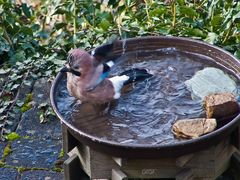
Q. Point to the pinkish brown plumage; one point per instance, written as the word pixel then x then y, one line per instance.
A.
pixel 87 81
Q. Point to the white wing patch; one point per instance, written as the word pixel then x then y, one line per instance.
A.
pixel 117 82
pixel 110 63
pixel 93 52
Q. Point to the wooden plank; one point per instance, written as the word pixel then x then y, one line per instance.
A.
pixel 204 173
pixel 235 138
pixel 101 165
pixel 96 165
pixel 150 163
pixel 181 161
pixel 201 160
pixel 204 164
pixel 118 175
pixel 160 172
pixel 223 159
pixel 69 141
pixel 83 154
pixel 119 161
pixel 72 169
pixel 185 174
pixel 223 144
pixel 235 161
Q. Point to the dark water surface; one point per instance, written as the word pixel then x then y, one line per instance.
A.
pixel 145 112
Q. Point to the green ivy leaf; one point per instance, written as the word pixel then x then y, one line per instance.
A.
pixel 15 86
pixel 60 11
pixel 237 54
pixel 26 10
pixel 18 56
pixel 60 25
pixel 12 136
pixel 216 20
pixel 105 24
pixel 27 30
pixel 188 11
pixel 4 71
pixel 197 33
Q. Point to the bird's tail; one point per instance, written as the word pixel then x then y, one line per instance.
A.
pixel 136 74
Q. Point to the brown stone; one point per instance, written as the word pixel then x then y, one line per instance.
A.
pixel 221 105
pixel 193 128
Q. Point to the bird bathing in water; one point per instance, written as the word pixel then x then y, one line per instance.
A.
pixel 88 77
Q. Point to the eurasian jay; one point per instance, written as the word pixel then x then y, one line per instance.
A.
pixel 87 77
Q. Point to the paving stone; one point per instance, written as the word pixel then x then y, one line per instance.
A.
pixel 23 91
pixel 30 126
pixel 14 121
pixel 34 153
pixel 41 91
pixel 41 175
pixel 3 79
pixel 26 89
pixel 2 146
pixel 8 173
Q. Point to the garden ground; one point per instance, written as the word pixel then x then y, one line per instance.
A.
pixel 36 152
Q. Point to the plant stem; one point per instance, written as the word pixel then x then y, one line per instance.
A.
pixel 146 8
pixel 74 23
pixel 228 33
pixel 174 14
pixel 7 38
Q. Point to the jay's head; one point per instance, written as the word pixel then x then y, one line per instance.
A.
pixel 80 62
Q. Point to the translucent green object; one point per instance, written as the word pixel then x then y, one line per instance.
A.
pixel 210 80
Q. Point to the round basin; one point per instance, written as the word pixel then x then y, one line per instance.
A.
pixel 135 47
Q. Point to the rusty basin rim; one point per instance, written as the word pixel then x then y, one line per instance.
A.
pixel 150 150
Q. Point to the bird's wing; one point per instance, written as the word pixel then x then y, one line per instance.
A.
pixel 101 52
pixel 105 73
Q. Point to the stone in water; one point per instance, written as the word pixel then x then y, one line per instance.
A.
pixel 221 105
pixel 193 128
pixel 208 81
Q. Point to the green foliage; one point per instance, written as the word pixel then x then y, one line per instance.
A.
pixel 7 150
pixel 2 164
pixel 27 103
pixel 45 112
pixel 18 32
pixel 12 136
pixel 61 154
pixel 85 24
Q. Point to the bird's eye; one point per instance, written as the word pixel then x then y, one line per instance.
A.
pixel 75 66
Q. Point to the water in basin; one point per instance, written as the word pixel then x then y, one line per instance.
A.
pixel 145 112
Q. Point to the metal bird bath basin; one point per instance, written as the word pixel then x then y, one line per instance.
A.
pixel 126 136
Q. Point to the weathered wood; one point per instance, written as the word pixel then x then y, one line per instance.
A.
pixel 235 137
pixel 182 160
pixel 185 174
pixel 69 141
pixel 205 164
pixel 161 172
pixel 119 161
pixel 150 163
pixel 235 161
pixel 82 152
pixel 72 169
pixel 96 165
pixel 118 175
pixel 223 159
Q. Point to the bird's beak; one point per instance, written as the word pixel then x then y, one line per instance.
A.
pixel 64 70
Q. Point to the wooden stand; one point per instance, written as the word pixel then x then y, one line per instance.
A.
pixel 207 164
